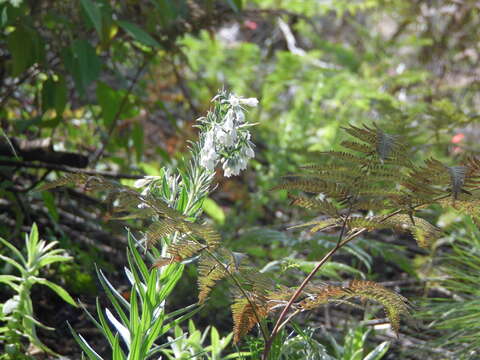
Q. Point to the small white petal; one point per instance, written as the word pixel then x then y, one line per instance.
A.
pixel 10 305
pixel 253 102
pixel 234 100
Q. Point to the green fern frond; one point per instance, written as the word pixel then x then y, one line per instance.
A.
pixel 423 232
pixel 67 179
pixel 465 203
pixel 369 224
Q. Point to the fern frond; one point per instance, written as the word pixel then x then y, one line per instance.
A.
pixel 465 203
pixel 184 249
pixel 457 179
pixel 315 186
pixel 364 134
pixel 245 313
pixel 322 206
pixel 159 229
pixel 210 272
pixel 302 184
pixel 385 144
pixel 67 179
pixel 356 146
pixel 206 232
pixel 393 303
pixel 423 232
pixel 344 156
pixel 368 223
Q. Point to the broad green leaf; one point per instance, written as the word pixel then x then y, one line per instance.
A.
pixel 49 202
pixel 110 101
pixel 212 209
pixel 58 289
pixel 83 64
pixel 54 95
pixel 26 47
pixel 94 14
pixel 138 34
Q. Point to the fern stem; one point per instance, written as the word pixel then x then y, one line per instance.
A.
pixel 280 323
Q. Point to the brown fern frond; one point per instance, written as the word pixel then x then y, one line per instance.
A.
pixel 254 281
pixel 184 249
pixel 246 313
pixel 302 184
pixel 322 206
pixel 364 134
pixel 393 303
pixel 344 156
pixel 457 179
pixel 210 272
pixel 159 229
pixel 206 232
pixel 356 146
pixel 315 186
pixel 326 224
pixel 386 145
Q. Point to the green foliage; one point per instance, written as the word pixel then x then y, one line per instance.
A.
pixel 17 313
pixel 457 315
pixel 192 344
pixel 141 320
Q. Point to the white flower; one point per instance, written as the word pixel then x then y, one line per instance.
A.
pixel 227 134
pixel 234 166
pixel 248 152
pixel 237 101
pixel 234 100
pixel 10 305
pixel 252 102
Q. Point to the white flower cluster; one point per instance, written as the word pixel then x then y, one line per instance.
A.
pixel 226 138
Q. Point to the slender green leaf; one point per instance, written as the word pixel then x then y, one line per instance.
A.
pixel 94 14
pixel 138 34
pixel 92 355
pixel 378 352
pixel 57 289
